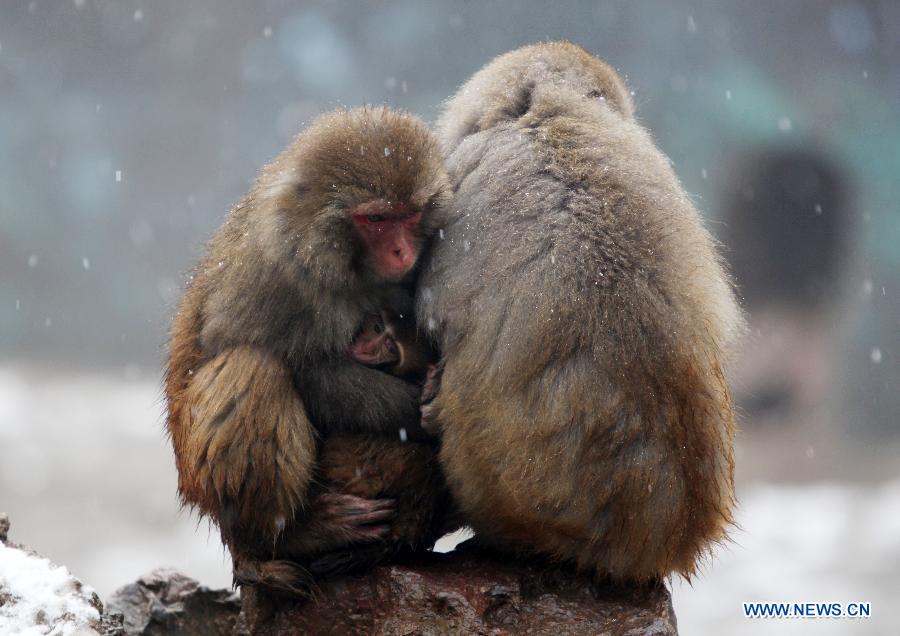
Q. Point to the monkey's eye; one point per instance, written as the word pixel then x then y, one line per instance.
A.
pixel 595 94
pixel 375 218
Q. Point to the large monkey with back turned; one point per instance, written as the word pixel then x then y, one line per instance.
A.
pixel 281 433
pixel 583 316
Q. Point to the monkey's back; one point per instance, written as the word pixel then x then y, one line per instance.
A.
pixel 584 316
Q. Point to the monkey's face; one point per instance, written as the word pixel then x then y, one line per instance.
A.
pixel 352 201
pixel 375 345
pixel 389 234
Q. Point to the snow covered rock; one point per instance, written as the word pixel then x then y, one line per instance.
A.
pixel 38 597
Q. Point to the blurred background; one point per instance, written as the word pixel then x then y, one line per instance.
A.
pixel 128 129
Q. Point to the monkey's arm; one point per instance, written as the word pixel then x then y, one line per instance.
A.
pixel 248 449
pixel 345 396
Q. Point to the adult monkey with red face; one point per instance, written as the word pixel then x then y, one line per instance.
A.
pixel 584 319
pixel 272 416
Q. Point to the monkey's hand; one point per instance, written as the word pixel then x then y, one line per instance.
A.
pixel 336 520
pixel 249 452
pixel 332 523
pixel 429 392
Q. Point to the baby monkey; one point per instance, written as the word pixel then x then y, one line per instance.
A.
pixel 390 341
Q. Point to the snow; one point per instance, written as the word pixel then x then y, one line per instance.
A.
pixel 821 542
pixel 46 599
pixel 691 25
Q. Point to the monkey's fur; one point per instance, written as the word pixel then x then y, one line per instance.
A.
pixel 584 317
pixel 274 426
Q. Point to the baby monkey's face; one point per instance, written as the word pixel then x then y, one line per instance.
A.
pixel 391 342
pixel 376 345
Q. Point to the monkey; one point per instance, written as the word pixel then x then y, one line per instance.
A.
pixel 393 343
pixel 584 319
pixel 266 408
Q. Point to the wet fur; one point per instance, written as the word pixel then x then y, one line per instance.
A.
pixel 257 380
pixel 584 318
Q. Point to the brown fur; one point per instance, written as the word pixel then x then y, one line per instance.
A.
pixel 584 317
pixel 258 382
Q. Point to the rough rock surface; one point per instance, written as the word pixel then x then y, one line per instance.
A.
pixel 168 602
pixel 465 593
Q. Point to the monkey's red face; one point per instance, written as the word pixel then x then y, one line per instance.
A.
pixel 389 232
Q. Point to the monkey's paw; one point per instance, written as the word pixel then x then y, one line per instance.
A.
pixel 280 576
pixel 356 518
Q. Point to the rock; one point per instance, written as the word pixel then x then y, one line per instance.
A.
pixel 38 597
pixel 465 593
pixel 169 602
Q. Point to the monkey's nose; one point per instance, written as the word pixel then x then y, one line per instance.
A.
pixel 403 257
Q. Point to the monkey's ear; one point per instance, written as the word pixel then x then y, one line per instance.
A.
pixel 520 102
pixel 440 198
pixel 512 105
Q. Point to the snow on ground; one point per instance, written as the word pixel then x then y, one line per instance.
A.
pixel 41 598
pixel 87 477
pixel 821 543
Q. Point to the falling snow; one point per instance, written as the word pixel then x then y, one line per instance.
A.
pixel 691 24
